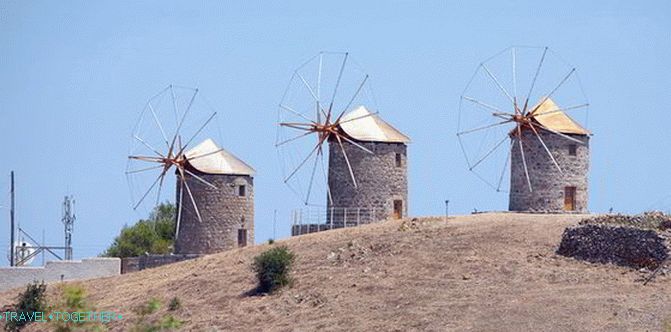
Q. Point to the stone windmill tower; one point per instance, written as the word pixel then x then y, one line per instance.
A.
pixel 548 188
pixel 381 176
pixel 548 151
pixel 214 189
pixel 226 208
pixel 321 116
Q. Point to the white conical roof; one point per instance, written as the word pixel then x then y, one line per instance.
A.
pixel 361 126
pixel 216 160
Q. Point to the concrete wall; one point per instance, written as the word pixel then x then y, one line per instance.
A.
pixel 379 180
pixel 546 181
pixel 222 210
pixel 12 277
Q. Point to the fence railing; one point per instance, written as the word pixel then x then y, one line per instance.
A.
pixel 316 219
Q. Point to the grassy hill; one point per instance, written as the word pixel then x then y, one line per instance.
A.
pixel 485 272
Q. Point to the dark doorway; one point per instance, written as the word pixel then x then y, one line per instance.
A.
pixel 242 237
pixel 398 209
pixel 569 198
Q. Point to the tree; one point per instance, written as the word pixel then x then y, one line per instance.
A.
pixel 155 235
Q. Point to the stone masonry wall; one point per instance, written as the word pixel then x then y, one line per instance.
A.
pixel 223 212
pixel 12 277
pixel 546 181
pixel 134 264
pixel 379 180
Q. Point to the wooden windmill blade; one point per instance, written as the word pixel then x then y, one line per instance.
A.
pixel 521 94
pixel 170 123
pixel 319 94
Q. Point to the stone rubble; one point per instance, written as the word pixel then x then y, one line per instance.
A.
pixel 639 241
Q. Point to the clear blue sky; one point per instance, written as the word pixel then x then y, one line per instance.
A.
pixel 76 74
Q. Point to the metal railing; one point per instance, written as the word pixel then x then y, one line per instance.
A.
pixel 317 219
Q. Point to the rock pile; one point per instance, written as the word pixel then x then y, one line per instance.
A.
pixel 640 241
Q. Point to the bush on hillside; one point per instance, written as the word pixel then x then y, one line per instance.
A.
pixel 155 235
pixel 272 269
pixel 29 301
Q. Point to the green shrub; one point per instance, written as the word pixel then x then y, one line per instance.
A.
pixel 271 241
pixel 272 269
pixel 29 301
pixel 73 298
pixel 174 304
pixel 149 320
pixel 155 235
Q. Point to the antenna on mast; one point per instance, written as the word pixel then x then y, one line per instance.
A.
pixel 68 222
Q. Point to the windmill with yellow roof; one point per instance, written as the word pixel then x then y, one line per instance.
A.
pixel 528 98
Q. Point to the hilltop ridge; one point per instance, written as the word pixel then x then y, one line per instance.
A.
pixel 483 272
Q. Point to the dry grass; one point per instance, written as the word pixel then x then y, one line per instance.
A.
pixel 487 272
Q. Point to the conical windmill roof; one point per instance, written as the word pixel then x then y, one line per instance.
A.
pixel 550 115
pixel 216 160
pixel 370 128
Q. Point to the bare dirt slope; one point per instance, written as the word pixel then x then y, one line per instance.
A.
pixel 486 272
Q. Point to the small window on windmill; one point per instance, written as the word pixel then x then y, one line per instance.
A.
pixel 242 190
pixel 572 149
pixel 399 160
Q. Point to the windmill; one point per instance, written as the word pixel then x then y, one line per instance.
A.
pixel 328 108
pixel 529 98
pixel 173 135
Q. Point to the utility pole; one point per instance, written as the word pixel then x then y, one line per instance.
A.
pixel 274 223
pixel 11 221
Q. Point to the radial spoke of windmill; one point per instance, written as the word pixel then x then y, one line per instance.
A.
pixel 337 85
pixel 483 127
pixel 498 84
pixel 489 153
pixel 160 185
pixel 297 125
pixel 560 134
pixel 554 161
pixel 188 191
pixel 205 154
pixel 304 161
pixel 158 123
pixel 357 118
pixel 293 138
pixel 186 112
pixel 174 105
pixel 555 89
pixel 358 90
pixel 289 109
pixel 485 105
pixel 203 181
pixel 144 169
pixel 312 176
pixel 513 50
pixel 357 145
pixel 349 166
pixel 524 159
pixel 148 146
pixel 197 132
pixel 179 210
pixel 319 82
pixel 328 188
pixel 533 82
pixel 147 158
pixel 312 93
pixel 147 192
pixel 505 166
